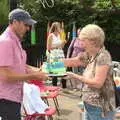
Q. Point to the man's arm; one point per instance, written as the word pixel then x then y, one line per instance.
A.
pixel 31 69
pixel 7 74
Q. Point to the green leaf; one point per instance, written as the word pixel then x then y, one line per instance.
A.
pixel 4 10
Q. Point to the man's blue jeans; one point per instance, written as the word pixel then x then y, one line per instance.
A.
pixel 94 113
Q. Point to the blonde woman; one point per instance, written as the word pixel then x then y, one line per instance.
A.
pixel 54 42
pixel 98 91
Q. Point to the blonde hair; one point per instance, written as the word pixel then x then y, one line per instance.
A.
pixel 55 27
pixel 94 33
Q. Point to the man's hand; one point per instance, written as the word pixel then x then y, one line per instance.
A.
pixel 41 75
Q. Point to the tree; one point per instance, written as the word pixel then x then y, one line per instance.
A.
pixel 105 13
pixel 102 12
pixel 4 10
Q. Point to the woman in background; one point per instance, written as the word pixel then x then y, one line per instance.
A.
pixel 54 42
pixel 76 47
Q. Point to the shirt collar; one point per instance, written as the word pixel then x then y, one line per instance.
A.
pixel 12 34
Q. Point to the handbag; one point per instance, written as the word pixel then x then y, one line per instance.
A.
pixel 116 81
pixel 117 95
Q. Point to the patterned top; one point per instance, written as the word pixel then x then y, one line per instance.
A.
pixel 105 96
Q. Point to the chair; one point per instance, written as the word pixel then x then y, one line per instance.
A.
pixel 43 87
pixel 33 106
pixel 53 93
pixel 47 115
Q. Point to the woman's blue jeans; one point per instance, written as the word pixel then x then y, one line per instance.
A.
pixel 94 113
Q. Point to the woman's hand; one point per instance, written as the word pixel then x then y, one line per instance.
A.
pixel 63 44
pixel 75 76
pixel 71 74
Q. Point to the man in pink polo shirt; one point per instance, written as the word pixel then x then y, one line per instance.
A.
pixel 13 68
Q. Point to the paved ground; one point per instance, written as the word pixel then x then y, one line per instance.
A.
pixel 69 108
pixel 68 103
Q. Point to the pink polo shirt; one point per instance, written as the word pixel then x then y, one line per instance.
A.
pixel 12 55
